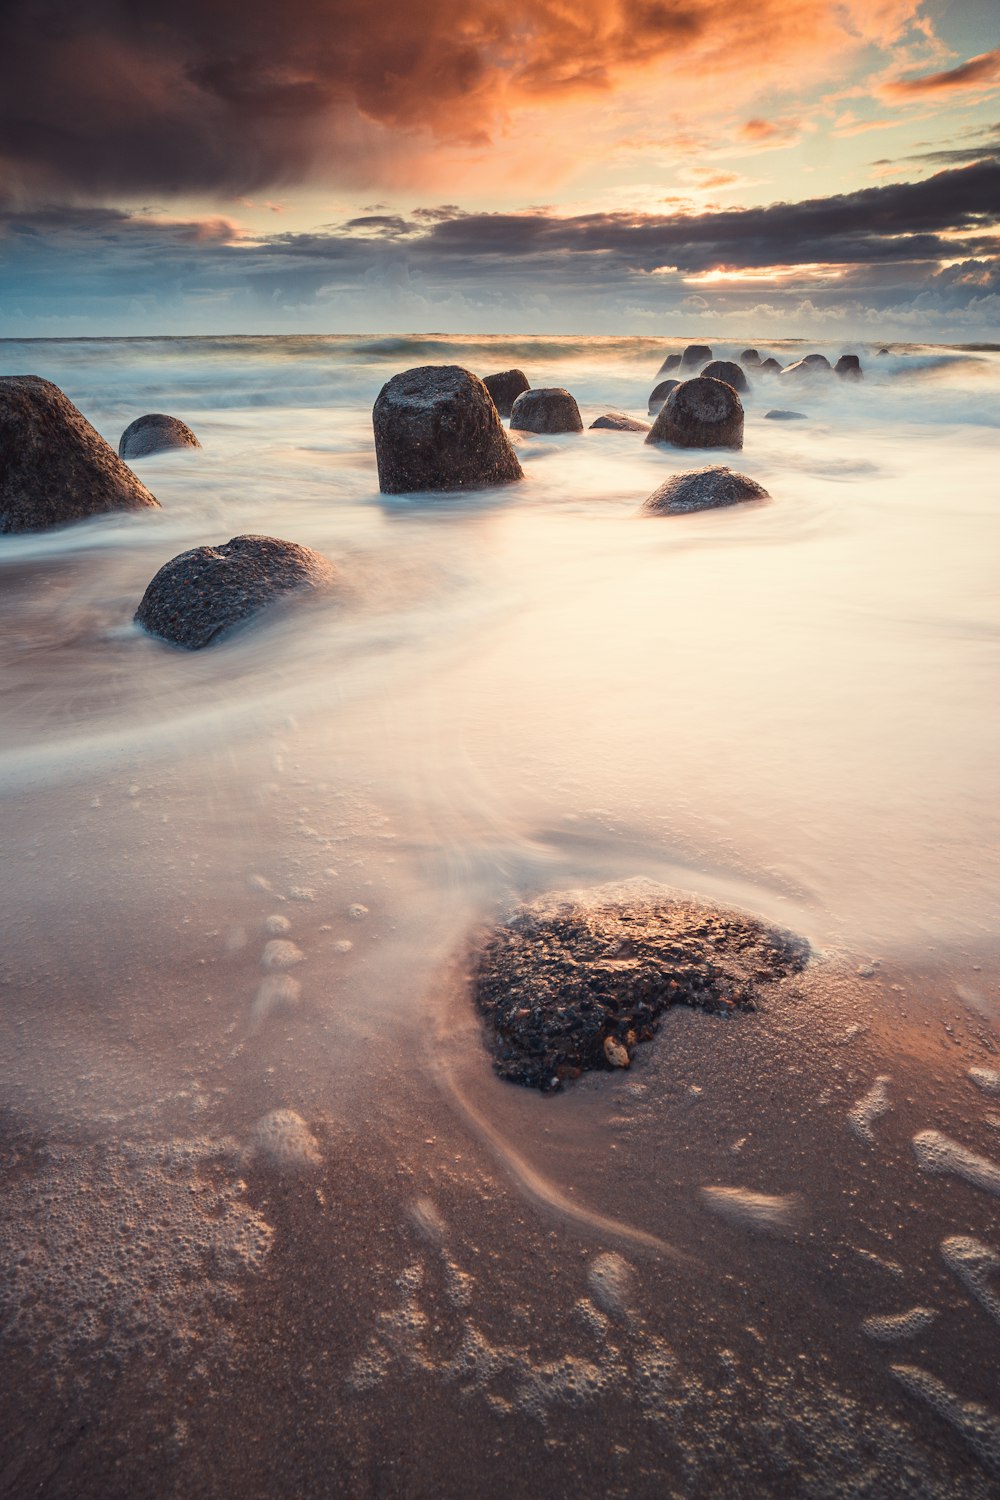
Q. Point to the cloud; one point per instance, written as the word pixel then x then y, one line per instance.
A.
pixel 979 72
pixel 241 95
pixel 980 145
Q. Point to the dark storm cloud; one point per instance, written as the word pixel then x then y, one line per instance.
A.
pixel 979 144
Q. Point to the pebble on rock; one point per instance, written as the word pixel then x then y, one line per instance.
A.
pixel 702 489
pixel 54 467
pixel 659 394
pixel 155 433
pixel 200 594
pixel 729 371
pixel 567 974
pixel 437 428
pixel 505 388
pixel 548 409
pixel 700 413
pixel 617 421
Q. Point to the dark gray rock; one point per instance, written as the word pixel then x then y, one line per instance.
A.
pixel 548 409
pixel 659 394
pixel 702 489
pixel 750 357
pixel 694 356
pixel 769 367
pixel 505 388
pixel 777 415
pixel 813 367
pixel 155 433
pixel 619 422
pixel 700 413
pixel 436 428
pixel 883 351
pixel 729 371
pixel 672 362
pixel 54 467
pixel 200 594
pixel 575 981
pixel 848 367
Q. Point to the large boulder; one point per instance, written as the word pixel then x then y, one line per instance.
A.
pixel 848 367
pixel 729 371
pixel 700 413
pixel 769 366
pixel 751 358
pixel 575 981
pixel 437 428
pixel 659 394
pixel 505 388
pixel 694 356
pixel 155 433
pixel 672 362
pixel 200 594
pixel 813 367
pixel 617 421
pixel 54 467
pixel 702 489
pixel 549 409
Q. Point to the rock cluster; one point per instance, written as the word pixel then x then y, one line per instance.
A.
pixel 437 428
pixel 54 467
pixel 155 433
pixel 548 409
pixel 700 413
pixel 572 982
pixel 505 388
pixel 703 489
pixel 200 594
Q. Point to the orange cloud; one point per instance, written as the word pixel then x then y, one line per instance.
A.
pixel 978 73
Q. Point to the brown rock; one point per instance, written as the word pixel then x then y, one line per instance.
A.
pixel 505 388
pixel 729 371
pixel 436 428
pixel 700 413
pixel 659 394
pixel 155 433
pixel 617 421
pixel 702 489
pixel 548 409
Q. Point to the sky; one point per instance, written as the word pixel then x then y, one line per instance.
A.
pixel 774 168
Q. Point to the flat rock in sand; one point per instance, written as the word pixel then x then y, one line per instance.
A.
pixel 566 973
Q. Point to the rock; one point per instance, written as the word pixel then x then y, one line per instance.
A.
pixel 505 388
pixel 568 974
pixel 659 394
pixel 155 433
pixel 770 367
pixel 750 357
pixel 54 467
pixel 694 356
pixel 672 362
pixel 702 489
pixel 549 409
pixel 619 422
pixel 700 413
pixel 813 367
pixel 436 428
pixel 729 371
pixel 777 415
pixel 198 595
pixel 883 351
pixel 848 367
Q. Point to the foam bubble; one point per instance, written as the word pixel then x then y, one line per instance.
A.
pixel 281 954
pixel 974 1263
pixel 973 1422
pixel 275 993
pixel 357 912
pixel 284 1140
pixel 939 1153
pixel 767 1211
pixel 276 924
pixel 428 1220
pixel 891 1328
pixel 869 1108
pixel 612 1282
pixel 987 1079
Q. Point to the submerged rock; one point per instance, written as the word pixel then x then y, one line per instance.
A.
pixel 769 367
pixel 155 433
pixel 700 413
pixel 750 357
pixel 883 351
pixel 817 359
pixel 437 428
pixel 813 367
pixel 575 981
pixel 199 594
pixel 619 422
pixel 779 415
pixel 694 356
pixel 659 394
pixel 548 409
pixel 729 371
pixel 672 362
pixel 702 489
pixel 54 467
pixel 505 388
pixel 848 367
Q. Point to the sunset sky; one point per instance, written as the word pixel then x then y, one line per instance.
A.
pixel 630 166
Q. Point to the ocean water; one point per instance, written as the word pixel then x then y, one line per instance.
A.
pixel 790 706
